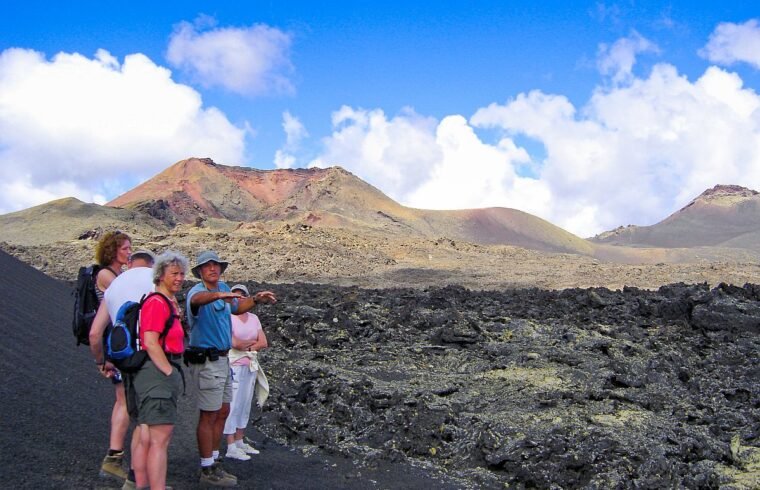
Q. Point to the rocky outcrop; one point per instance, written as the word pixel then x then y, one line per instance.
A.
pixel 581 388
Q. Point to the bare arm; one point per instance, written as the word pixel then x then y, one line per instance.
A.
pixel 247 345
pixel 104 279
pixel 99 325
pixel 156 352
pixel 202 298
pixel 205 297
pixel 261 343
pixel 240 344
pixel 247 304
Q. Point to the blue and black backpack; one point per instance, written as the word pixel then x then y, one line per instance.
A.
pixel 122 339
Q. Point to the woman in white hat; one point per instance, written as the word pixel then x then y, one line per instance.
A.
pixel 247 340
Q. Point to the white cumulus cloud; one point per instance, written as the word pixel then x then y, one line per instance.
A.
pixel 422 162
pixel 85 127
pixel 634 153
pixel 295 132
pixel 617 60
pixel 249 60
pixel 730 43
pixel 395 154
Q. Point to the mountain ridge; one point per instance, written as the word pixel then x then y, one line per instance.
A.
pixel 722 216
pixel 197 189
pixel 328 226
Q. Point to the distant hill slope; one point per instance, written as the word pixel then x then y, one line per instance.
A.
pixel 327 223
pixel 69 219
pixel 195 190
pixel 724 216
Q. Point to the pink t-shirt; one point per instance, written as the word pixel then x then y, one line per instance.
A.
pixel 247 331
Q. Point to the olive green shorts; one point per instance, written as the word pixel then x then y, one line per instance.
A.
pixel 156 395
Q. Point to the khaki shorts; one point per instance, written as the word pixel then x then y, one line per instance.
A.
pixel 213 383
pixel 156 395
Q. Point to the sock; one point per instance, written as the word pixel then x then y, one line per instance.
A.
pixel 215 455
pixel 206 462
pixel 239 443
pixel 131 476
pixel 114 452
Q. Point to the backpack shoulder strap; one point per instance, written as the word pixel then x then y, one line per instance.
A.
pixel 169 321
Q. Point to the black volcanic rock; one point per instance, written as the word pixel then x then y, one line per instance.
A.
pixel 158 209
pixel 524 388
pixel 55 408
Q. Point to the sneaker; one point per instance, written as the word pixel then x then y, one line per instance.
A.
pixel 112 467
pixel 249 449
pixel 210 475
pixel 235 452
pixel 249 442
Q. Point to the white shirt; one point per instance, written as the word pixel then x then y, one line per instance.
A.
pixel 130 285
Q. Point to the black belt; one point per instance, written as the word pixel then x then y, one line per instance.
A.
pixel 174 357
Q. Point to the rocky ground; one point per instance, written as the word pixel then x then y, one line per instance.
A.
pixel 525 388
pixel 526 374
pixel 332 256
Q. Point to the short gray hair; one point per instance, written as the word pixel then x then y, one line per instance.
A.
pixel 169 257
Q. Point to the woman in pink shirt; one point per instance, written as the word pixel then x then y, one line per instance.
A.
pixel 247 340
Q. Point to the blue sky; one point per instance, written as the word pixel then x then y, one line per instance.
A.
pixel 589 114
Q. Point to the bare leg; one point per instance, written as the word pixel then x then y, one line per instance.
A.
pixel 159 437
pixel 139 457
pixel 219 424
pixel 205 432
pixel 119 420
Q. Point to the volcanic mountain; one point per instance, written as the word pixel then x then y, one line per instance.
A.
pixel 724 216
pixel 328 226
pixel 196 190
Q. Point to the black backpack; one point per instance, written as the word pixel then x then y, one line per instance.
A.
pixel 122 339
pixel 85 303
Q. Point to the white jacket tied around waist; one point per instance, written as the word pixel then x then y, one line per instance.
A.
pixel 261 391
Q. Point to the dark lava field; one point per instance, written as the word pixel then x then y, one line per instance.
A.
pixel 580 388
pixel 428 388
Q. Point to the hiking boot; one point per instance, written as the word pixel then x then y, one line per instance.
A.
pixel 213 475
pixel 221 471
pixel 112 467
pixel 248 448
pixel 128 485
pixel 218 462
pixel 235 452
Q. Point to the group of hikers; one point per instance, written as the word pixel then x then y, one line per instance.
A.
pixel 220 352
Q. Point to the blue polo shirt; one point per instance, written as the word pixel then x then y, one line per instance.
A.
pixel 211 327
